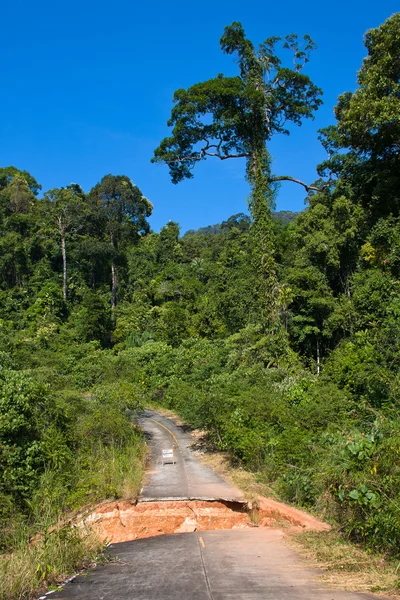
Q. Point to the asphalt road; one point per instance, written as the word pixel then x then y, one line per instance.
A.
pixel 246 564
pixel 188 478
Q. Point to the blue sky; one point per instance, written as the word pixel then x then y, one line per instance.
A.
pixel 87 89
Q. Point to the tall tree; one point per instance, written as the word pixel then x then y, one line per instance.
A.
pixel 342 231
pixel 364 146
pixel 8 173
pixel 124 210
pixel 368 119
pixel 245 111
pixel 236 117
pixel 17 201
pixel 67 208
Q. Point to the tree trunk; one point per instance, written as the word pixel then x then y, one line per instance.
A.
pixel 263 237
pixel 114 284
pixel 318 360
pixel 114 279
pixel 64 259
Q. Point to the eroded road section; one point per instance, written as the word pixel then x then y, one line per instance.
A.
pixel 187 479
pixel 242 563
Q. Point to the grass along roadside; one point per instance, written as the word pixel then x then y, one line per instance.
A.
pixel 44 547
pixel 35 567
pixel 346 565
pixel 43 556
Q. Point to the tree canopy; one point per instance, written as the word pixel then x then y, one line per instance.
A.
pixel 234 117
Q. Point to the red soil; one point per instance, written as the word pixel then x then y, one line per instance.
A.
pixel 271 509
pixel 123 521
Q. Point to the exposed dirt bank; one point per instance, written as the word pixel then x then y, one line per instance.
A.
pixel 271 509
pixel 123 521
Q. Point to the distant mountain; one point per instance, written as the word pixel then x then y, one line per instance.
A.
pixel 209 230
pixel 241 221
pixel 285 216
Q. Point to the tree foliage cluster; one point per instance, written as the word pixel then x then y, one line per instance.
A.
pixel 280 339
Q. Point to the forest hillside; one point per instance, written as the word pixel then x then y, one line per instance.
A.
pixel 278 336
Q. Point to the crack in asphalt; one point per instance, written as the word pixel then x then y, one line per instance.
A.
pixel 204 569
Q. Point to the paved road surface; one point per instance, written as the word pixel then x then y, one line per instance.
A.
pixel 246 564
pixel 188 478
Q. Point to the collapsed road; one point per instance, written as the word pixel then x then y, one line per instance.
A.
pixel 215 553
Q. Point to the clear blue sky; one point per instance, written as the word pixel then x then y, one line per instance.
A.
pixel 87 89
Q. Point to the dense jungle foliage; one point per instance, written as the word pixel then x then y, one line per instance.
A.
pixel 296 375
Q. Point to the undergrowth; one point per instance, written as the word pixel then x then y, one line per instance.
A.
pixel 61 449
pixel 33 566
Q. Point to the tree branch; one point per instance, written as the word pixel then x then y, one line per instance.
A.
pixel 225 156
pixel 308 188
pixel 204 152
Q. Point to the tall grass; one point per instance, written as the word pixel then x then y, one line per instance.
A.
pixel 111 472
pixel 35 565
pixel 43 548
